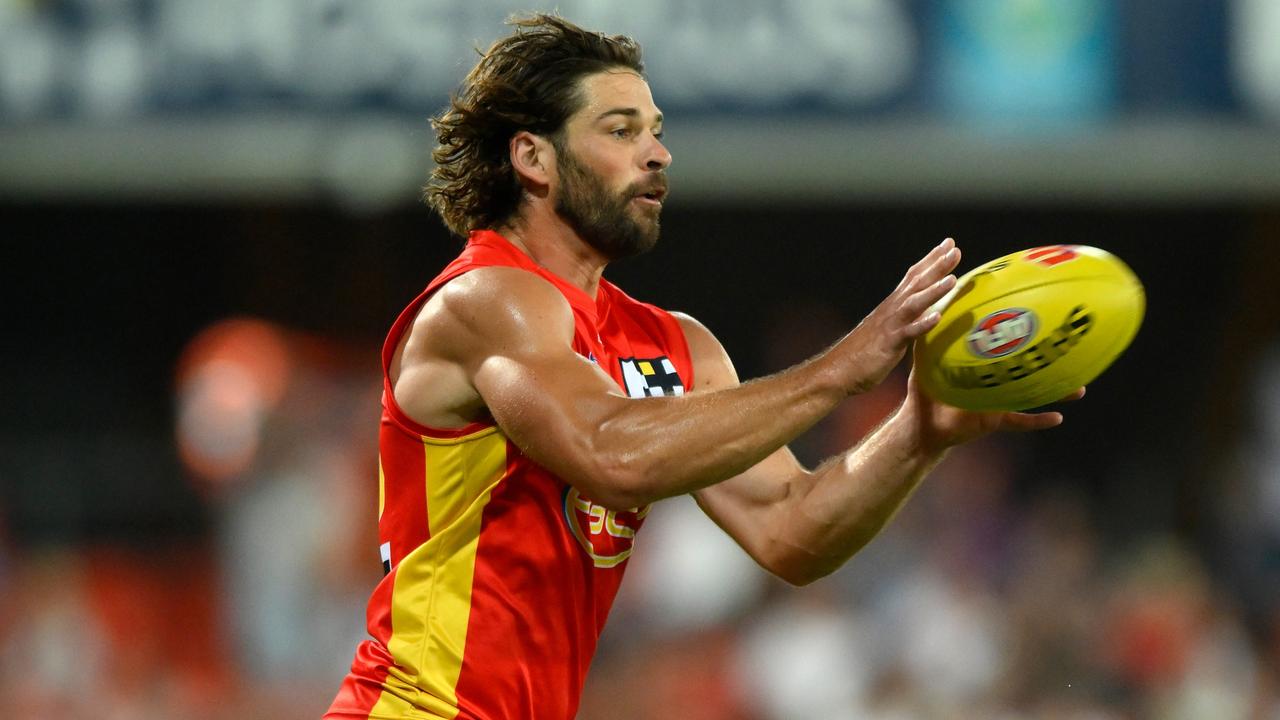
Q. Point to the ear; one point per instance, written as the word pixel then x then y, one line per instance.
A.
pixel 533 157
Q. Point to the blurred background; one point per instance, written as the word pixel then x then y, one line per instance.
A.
pixel 209 218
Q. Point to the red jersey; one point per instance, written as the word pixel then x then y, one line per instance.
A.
pixel 499 574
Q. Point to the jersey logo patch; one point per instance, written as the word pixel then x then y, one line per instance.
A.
pixel 651 377
pixel 605 535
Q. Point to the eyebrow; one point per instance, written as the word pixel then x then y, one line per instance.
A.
pixel 627 112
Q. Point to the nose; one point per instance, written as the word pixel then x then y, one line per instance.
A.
pixel 658 157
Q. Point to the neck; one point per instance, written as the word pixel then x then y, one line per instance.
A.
pixel 555 246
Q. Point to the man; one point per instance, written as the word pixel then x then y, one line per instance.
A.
pixel 533 411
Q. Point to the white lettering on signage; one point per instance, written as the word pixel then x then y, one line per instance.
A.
pixel 131 57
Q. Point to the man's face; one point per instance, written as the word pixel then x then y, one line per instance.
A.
pixel 612 166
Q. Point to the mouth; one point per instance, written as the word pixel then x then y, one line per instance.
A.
pixel 653 196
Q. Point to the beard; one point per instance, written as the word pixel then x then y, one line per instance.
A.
pixel 605 221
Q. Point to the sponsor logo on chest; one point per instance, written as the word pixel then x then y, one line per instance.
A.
pixel 650 377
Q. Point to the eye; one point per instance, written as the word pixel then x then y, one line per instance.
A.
pixel 622 133
pixel 659 134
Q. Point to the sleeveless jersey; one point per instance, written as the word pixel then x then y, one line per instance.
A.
pixel 499 575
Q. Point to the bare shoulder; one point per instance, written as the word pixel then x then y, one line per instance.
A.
pixel 712 368
pixel 490 308
pixel 487 312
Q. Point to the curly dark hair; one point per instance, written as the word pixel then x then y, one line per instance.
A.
pixel 528 80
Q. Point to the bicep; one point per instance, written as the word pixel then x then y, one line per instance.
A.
pixel 548 401
pixel 511 335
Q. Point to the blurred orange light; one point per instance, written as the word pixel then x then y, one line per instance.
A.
pixel 229 378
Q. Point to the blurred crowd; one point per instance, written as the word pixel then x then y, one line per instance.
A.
pixel 977 601
pixel 258 616
pixel 970 605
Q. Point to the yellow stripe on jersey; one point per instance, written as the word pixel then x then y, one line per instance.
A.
pixel 382 488
pixel 431 600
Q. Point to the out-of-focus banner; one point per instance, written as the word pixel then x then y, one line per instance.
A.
pixel 1070 58
pixel 133 57
pixel 1147 99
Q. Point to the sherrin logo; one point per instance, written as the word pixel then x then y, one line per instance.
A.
pixel 1002 333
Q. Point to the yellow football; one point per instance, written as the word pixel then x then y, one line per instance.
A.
pixel 1029 328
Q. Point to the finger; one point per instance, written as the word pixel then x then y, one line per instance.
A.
pixel 920 303
pixel 929 259
pixel 921 326
pixel 925 298
pixel 942 248
pixel 1030 422
pixel 950 260
pixel 941 266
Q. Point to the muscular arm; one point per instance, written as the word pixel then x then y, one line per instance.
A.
pixel 499 340
pixel 802 525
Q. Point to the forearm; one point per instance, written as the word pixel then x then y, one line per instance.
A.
pixel 645 450
pixel 845 503
pixel 706 438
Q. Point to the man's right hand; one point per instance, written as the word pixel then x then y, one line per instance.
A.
pixel 865 356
